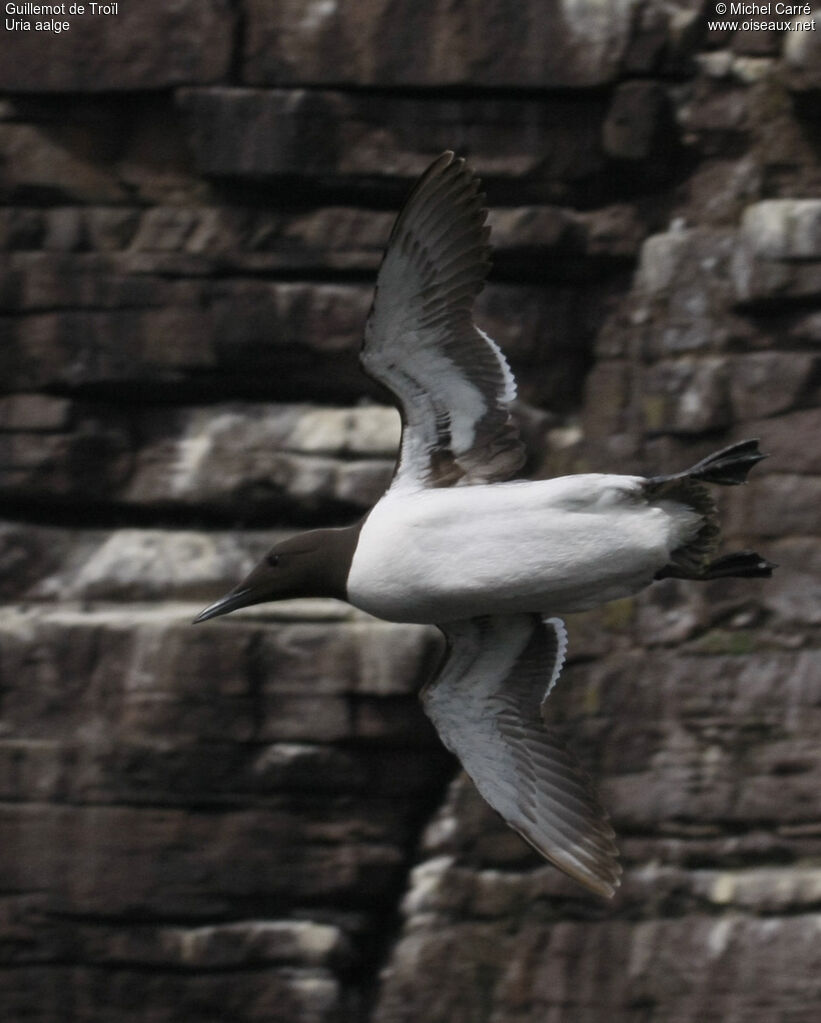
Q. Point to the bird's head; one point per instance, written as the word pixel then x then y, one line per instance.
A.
pixel 312 564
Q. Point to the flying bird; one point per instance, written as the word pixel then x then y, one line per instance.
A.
pixel 492 561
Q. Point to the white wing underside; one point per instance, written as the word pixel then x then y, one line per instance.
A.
pixel 451 381
pixel 486 703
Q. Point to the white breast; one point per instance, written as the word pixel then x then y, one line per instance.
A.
pixel 555 546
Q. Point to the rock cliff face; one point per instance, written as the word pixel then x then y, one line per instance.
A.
pixel 253 820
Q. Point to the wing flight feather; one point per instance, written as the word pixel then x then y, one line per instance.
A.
pixel 451 381
pixel 486 703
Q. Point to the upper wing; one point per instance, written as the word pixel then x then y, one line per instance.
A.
pixel 452 382
pixel 486 703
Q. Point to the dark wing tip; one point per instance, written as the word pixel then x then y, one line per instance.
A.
pixel 446 163
pixel 592 863
pixel 597 867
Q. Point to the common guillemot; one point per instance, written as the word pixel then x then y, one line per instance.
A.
pixel 455 543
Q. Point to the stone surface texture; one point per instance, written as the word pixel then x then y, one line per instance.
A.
pixel 253 820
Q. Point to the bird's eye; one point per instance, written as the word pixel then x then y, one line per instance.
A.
pixel 272 559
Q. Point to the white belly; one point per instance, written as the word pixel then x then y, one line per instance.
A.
pixel 554 546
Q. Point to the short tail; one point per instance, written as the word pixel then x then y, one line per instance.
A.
pixel 693 560
pixel 743 564
pixel 727 467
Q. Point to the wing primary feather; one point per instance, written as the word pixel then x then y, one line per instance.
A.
pixel 451 208
pixel 431 193
pixel 468 244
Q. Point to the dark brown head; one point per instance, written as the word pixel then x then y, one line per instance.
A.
pixel 313 564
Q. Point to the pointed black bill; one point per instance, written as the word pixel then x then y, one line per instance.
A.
pixel 242 596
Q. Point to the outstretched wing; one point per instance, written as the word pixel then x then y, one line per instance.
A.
pixel 451 381
pixel 486 703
